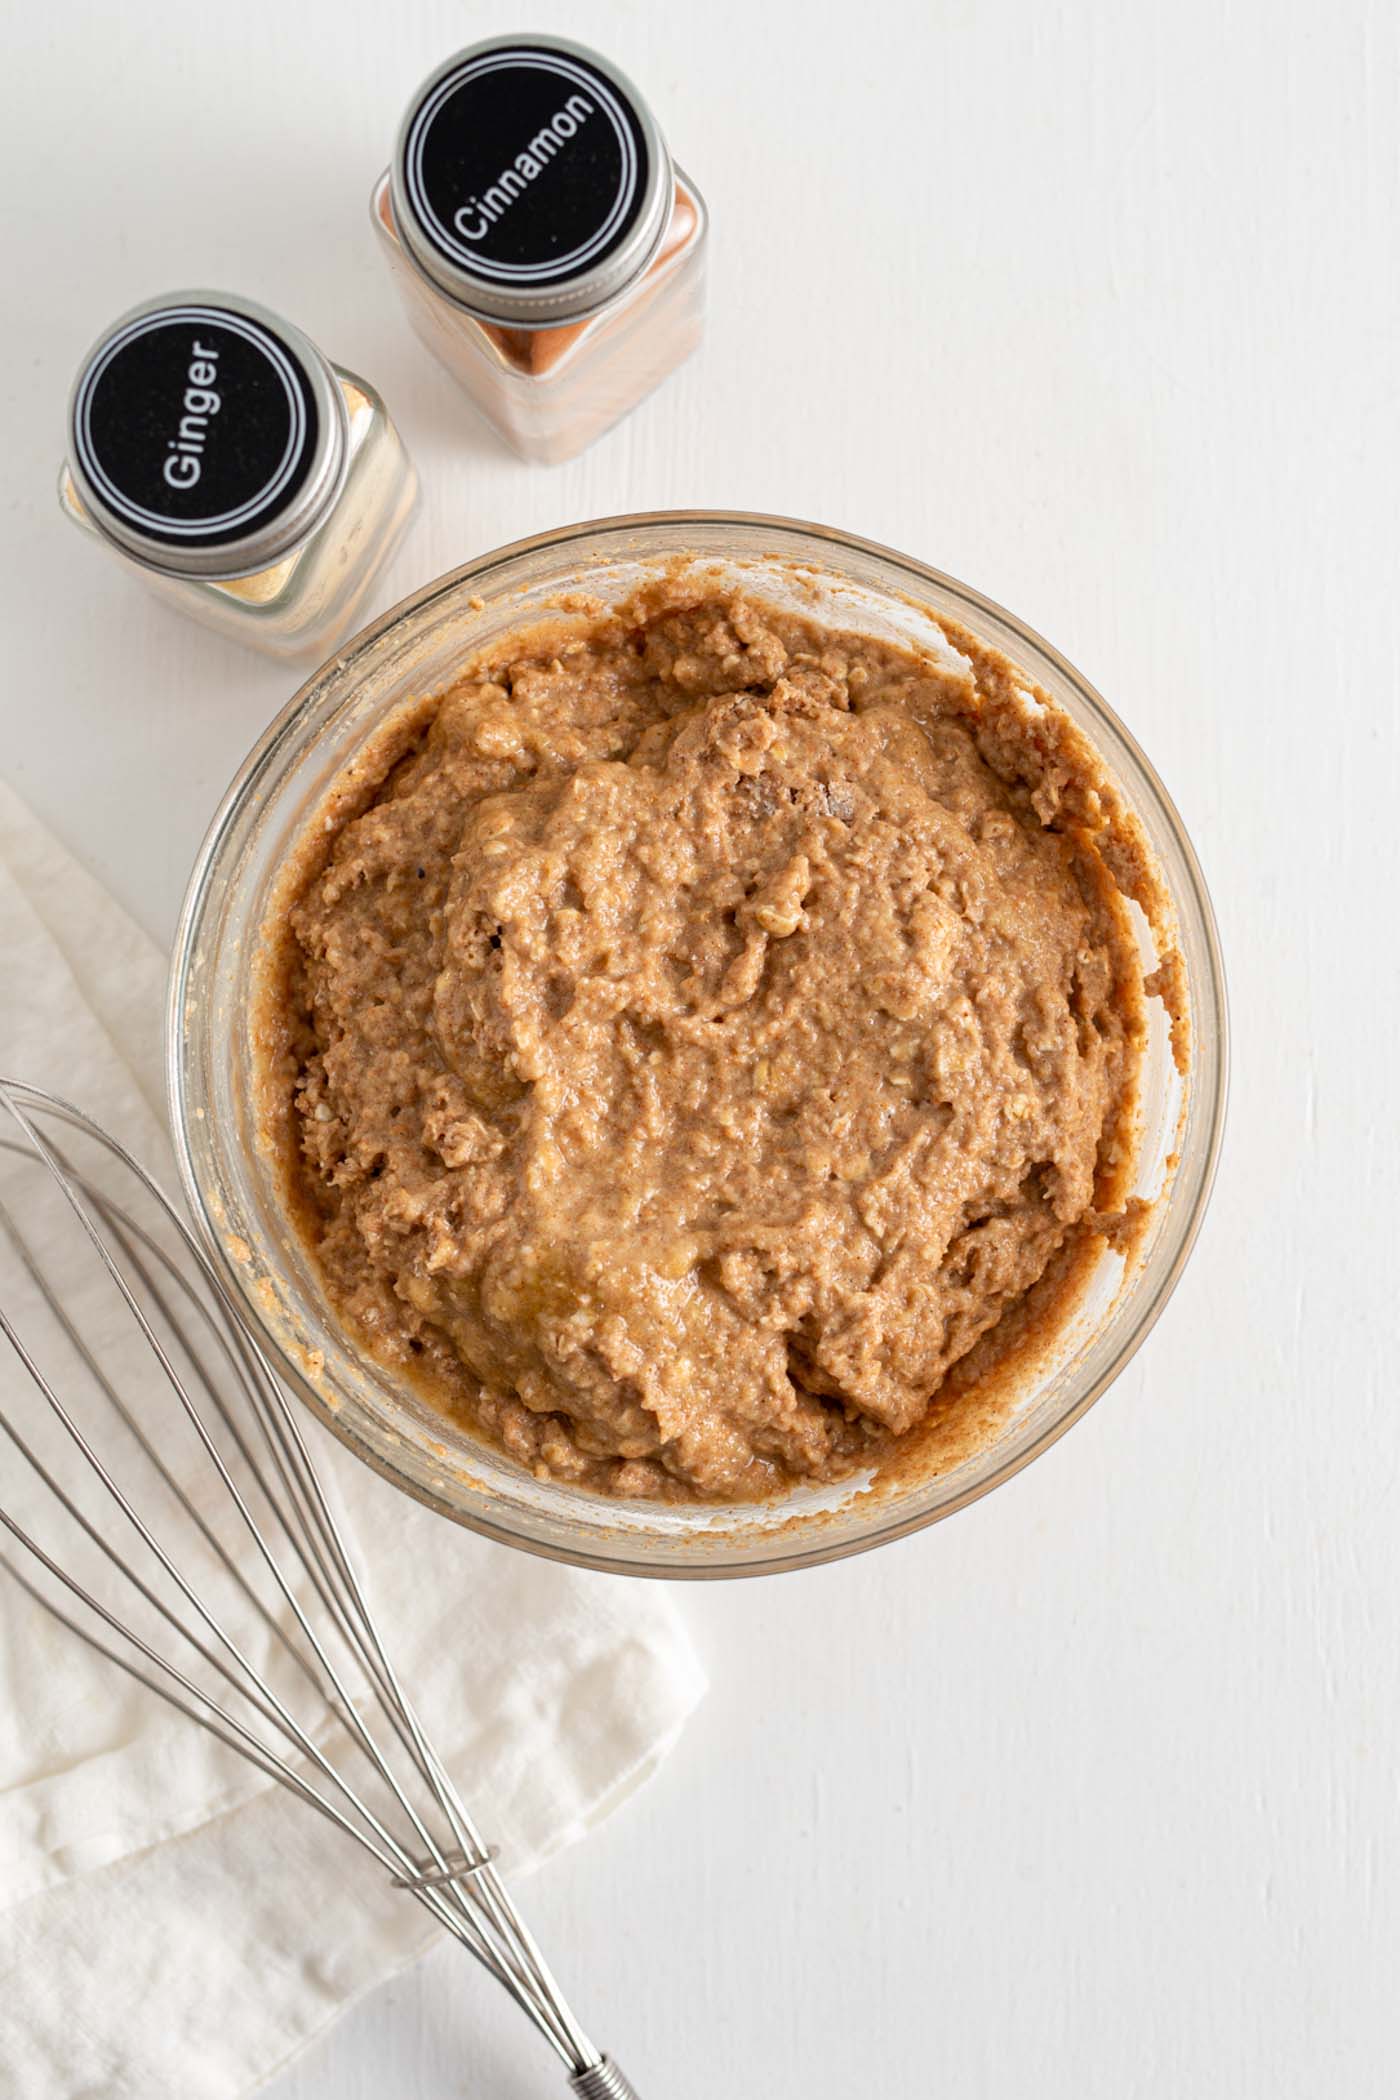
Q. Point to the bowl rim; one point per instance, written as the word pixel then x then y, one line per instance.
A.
pixel 767 1557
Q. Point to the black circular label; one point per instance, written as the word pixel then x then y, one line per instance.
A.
pixel 525 167
pixel 195 425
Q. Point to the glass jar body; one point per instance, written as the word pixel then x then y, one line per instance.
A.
pixel 308 600
pixel 551 391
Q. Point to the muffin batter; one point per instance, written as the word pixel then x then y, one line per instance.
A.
pixel 689 1044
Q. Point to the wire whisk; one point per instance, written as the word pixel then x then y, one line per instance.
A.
pixel 172 1519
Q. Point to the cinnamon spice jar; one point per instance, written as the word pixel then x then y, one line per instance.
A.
pixel 546 247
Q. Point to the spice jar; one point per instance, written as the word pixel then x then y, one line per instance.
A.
pixel 546 247
pixel 256 485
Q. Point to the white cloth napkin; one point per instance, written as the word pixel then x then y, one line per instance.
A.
pixel 168 1922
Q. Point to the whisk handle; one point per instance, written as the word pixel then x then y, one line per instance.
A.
pixel 602 2082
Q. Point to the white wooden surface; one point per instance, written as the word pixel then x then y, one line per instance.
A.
pixel 1092 1791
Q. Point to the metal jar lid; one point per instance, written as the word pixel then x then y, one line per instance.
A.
pixel 530 181
pixel 207 437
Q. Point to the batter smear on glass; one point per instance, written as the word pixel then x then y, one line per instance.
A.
pixel 690 1038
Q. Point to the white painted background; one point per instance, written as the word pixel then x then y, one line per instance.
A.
pixel 1092 1791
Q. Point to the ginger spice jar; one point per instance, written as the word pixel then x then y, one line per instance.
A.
pixel 250 481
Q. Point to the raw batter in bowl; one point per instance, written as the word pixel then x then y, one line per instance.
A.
pixel 688 1040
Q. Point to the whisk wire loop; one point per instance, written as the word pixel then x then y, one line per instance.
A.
pixel 258 1512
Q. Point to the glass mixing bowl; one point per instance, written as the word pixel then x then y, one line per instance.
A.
pixel 415 649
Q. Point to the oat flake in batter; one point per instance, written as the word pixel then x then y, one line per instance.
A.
pixel 688 1046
